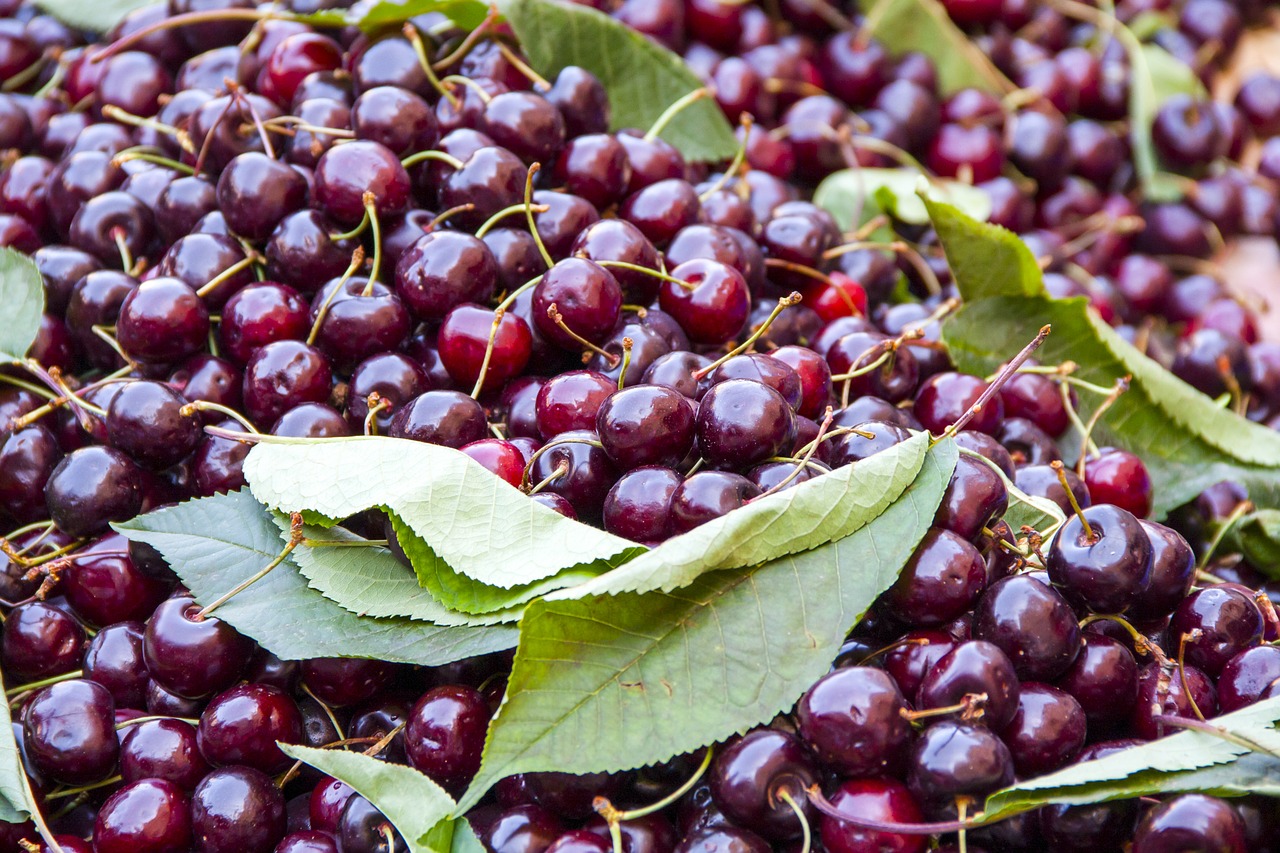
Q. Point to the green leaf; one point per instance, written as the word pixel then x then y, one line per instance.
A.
pixel 1187 761
pixel 413 803
pixel 22 295
pixel 459 592
pixel 851 195
pixel 98 16
pixel 215 543
pixel 923 25
pixel 475 522
pixel 16 801
pixel 807 516
pixel 1186 440
pixel 1257 537
pixel 467 14
pixel 615 682
pixel 643 78
pixel 1155 76
pixel 370 581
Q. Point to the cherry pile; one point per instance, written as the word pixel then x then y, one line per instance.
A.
pixel 264 227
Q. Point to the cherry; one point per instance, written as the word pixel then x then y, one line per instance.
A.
pixel 442 270
pixel 146 816
pixel 260 314
pixel 1103 679
pixel 954 759
pixel 660 210
pixel 941 581
pixel 753 777
pixel 945 397
pixel 852 719
pixel 147 420
pixel 578 471
pixel 364 829
pixel 1032 623
pixel 393 378
pixel 1106 570
pixel 243 725
pixel 707 495
pixel 1186 132
pixel 644 425
pixel 974 499
pixel 1161 691
pixel 972 149
pixel 92 487
pixel 292 59
pixel 69 732
pixel 360 318
pixel 162 749
pixel 757 367
pixel 39 641
pixel 1172 572
pixel 526 124
pixel 585 294
pixel 95 301
pixel 326 801
pixel 191 657
pixel 1042 481
pixel 880 799
pixel 464 339
pixel 490 179
pixel 595 167
pixel 723 839
pixel 27 459
pixel 449 418
pixel 103 585
pixel 852 447
pixel 114 659
pixel 345 681
pixel 282 374
pixel 520 829
pixel 638 507
pixel 307 841
pixel 237 809
pixel 162 321
pixel 741 423
pixel 389 61
pixel 711 305
pixel 302 252
pixel 1047 730
pixel 973 669
pixel 1119 477
pixel 580 841
pixel 1190 821
pixel 218 462
pixel 1217 623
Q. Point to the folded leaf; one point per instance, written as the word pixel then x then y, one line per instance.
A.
pixel 850 195
pixel 215 543
pixel 1155 76
pixel 477 523
pixel 925 26
pixel 1187 442
pixel 415 805
pixel 1187 761
pixel 1257 537
pixel 22 295
pixel 369 581
pixel 642 77
pixel 16 802
pixel 618 681
pixel 809 515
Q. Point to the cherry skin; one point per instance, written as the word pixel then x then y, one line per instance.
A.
pixel 192 658
pixel 445 735
pixel 308 841
pixel 69 732
pixel 162 749
pixel 255 192
pixel 162 321
pixel 852 719
pixel 741 423
pixel 1161 691
pixel 147 420
pixel 1217 623
pixel 442 270
pixel 646 425
pixel 1047 730
pixel 449 418
pixel 147 816
pixel 91 487
pixel 360 319
pixel 326 802
pixel 585 294
pixel 941 581
pixel 638 507
pixel 237 809
pixel 260 314
pixel 114 659
pixel 396 118
pixel 104 585
pixel 491 179
pixel 520 829
pixel 945 397
pixel 881 799
pixel 346 172
pixel 364 829
pixel 302 254
pixel 464 338
pixel 711 305
pixel 571 401
pixel 973 669
pixel 243 725
pixel 1190 821
pixel 1103 679
pixel 974 499
pixel 953 759
pixel 750 776
pixel 1109 572
pixel 1119 477
pixel 501 458
pixel 281 375
pixel 708 495
pixel 1031 623
pixel 578 471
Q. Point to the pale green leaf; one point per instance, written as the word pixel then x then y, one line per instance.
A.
pixel 1187 761
pixel 413 803
pixel 615 682
pixel 851 195
pixel 1155 76
pixel 97 16
pixel 477 523
pixel 215 543
pixel 642 78
pixel 790 521
pixel 22 295
pixel 925 26
pixel 16 804
pixel 1187 442
pixel 370 581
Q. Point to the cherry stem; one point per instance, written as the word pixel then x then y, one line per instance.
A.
pixel 295 539
pixel 238 94
pixel 173 22
pixel 627 344
pixel 1122 385
pixel 492 221
pixel 970 707
pixel 122 245
pixel 606 810
pixel 560 471
pixel 44 682
pixel 528 210
pixel 669 114
pixel 783 304
pixel 555 442
pixel 357 261
pixel 556 317
pixel 212 284
pixel 745 122
pixel 523 67
pixel 810 449
pixel 440 156
pixel 1141 644
pixel 1006 373
pixel 1014 492
pixel 658 274
pixel 361 227
pixel 470 41
pixel 419 48
pixel 498 314
pixel 1061 471
pixel 377 403
pixel 906 641
pixel 71 792
pixel 801 269
pixel 806 836
pixel 28 386
pixel 371 211
pixel 443 216
pixel 210 406
pixel 382 743
pixel 822 804
pixel 1241 509
pixel 511 297
pixel 1182 670
pixel 1216 731
pixel 208 138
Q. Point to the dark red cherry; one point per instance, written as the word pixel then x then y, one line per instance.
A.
pixel 976 674
pixel 945 397
pixel 92 487
pixel 114 660
pixel 1032 623
pixel 191 657
pixel 578 471
pixel 975 497
pixel 750 776
pixel 941 581
pixel 39 641
pixel 1047 730
pixel 645 425
pixel 162 321
pixel 162 749
pixel 638 507
pixel 711 305
pixel 360 319
pixel 1108 571
pixel 104 584
pixel 464 338
pixel 243 725
pixel 1189 822
pixel 586 296
pixel 148 420
pixel 491 179
pixel 741 423
pixel 345 681
pixel 449 418
pixel 237 809
pixel 852 719
pixel 952 759
pixel 302 253
pixel 445 735
pixel 520 829
pixel 1103 679
pixel 662 209
pixel 260 314
pixel 1163 691
pixel 880 799
pixel 1216 623
pixel 1119 477
pixel 346 172
pixel 27 459
pixel 442 270
pixel 69 732
pixel 364 829
pixel 975 150
pixel 146 816
pixel 708 495
pixel 282 374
